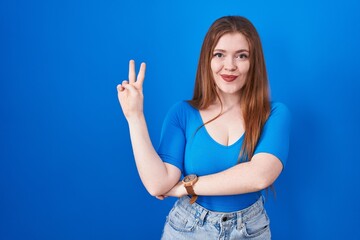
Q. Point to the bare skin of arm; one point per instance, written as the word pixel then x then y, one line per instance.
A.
pixel 258 174
pixel 158 177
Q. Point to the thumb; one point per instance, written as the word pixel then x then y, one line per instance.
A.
pixel 130 88
pixel 120 88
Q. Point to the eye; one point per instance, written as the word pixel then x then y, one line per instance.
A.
pixel 218 55
pixel 243 56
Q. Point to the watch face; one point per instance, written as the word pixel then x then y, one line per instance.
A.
pixel 189 178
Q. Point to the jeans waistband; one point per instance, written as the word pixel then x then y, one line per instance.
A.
pixel 212 216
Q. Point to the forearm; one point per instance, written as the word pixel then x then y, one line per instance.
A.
pixel 152 170
pixel 246 177
pixel 236 180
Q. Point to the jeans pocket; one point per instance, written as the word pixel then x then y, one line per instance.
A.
pixel 258 225
pixel 181 221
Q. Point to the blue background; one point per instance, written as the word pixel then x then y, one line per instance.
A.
pixel 66 164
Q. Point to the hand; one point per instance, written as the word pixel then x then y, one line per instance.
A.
pixel 130 92
pixel 177 191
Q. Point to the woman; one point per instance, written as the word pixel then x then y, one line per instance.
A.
pixel 230 142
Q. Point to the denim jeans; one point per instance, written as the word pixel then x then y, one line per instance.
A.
pixel 192 221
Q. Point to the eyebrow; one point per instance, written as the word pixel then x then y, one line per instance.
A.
pixel 238 51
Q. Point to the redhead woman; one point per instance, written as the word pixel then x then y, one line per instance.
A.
pixel 229 141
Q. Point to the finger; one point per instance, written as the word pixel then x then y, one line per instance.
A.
pixel 125 82
pixel 120 88
pixel 160 197
pixel 130 87
pixel 132 75
pixel 141 75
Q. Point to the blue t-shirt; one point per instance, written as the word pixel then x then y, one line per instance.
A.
pixel 194 151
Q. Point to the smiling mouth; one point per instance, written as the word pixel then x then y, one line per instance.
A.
pixel 228 78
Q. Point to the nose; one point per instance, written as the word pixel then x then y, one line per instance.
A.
pixel 229 64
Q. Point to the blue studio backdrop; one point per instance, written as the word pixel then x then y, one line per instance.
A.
pixel 66 164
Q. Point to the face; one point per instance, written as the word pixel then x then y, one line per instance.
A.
pixel 230 63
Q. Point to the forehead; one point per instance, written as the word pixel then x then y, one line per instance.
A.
pixel 232 42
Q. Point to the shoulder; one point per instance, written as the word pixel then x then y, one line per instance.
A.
pixel 279 109
pixel 181 108
pixel 280 114
pixel 180 112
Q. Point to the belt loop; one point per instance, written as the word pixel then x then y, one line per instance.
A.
pixel 202 216
pixel 239 220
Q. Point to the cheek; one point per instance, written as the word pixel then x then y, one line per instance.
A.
pixel 215 66
pixel 244 68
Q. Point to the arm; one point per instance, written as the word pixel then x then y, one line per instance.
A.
pixel 158 177
pixel 246 177
pixel 252 176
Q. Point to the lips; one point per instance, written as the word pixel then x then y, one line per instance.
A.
pixel 228 78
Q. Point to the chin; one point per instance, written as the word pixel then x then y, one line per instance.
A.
pixel 229 91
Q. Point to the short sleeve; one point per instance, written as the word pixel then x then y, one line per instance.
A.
pixel 172 141
pixel 275 136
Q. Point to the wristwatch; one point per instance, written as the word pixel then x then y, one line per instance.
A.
pixel 189 181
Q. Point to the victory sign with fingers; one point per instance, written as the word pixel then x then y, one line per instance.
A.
pixel 130 92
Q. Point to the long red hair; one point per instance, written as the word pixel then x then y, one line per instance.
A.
pixel 255 100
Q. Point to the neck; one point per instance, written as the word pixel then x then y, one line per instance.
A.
pixel 228 101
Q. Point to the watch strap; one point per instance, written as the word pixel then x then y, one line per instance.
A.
pixel 190 190
pixel 193 199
